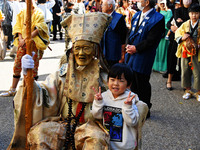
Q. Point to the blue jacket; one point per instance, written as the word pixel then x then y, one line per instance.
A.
pixel 112 40
pixel 146 40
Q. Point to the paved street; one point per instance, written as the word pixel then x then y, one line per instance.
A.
pixel 174 122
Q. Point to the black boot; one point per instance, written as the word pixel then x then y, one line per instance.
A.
pixel 54 38
pixel 60 35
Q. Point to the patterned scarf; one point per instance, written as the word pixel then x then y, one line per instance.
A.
pixel 79 83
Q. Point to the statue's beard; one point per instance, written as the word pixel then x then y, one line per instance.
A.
pixel 79 68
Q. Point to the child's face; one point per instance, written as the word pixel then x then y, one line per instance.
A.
pixel 162 6
pixel 117 86
pixel 194 16
pixel 177 6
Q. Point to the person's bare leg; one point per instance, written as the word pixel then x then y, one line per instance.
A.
pixel 169 81
pixel 14 83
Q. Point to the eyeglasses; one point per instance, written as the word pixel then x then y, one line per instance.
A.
pixel 103 5
pixel 85 49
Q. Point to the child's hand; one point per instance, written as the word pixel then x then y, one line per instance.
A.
pixel 179 20
pixel 58 14
pixel 97 95
pixel 173 28
pixel 129 99
pixel 185 36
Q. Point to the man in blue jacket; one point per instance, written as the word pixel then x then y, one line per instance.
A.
pixel 113 43
pixel 146 32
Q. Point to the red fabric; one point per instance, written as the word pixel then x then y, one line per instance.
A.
pixel 21 52
pixel 184 54
pixel 78 109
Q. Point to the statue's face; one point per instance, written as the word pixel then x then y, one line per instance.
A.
pixel 83 52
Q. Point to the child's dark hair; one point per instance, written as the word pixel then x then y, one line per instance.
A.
pixel 194 8
pixel 118 69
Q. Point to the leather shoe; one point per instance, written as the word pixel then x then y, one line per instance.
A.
pixel 169 87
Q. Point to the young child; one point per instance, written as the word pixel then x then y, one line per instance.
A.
pixel 93 9
pixel 117 108
pixel 173 22
pixel 190 29
pixel 88 8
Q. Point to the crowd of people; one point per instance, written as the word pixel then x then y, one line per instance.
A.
pixel 142 36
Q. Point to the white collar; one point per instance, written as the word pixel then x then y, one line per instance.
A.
pixel 111 12
pixel 146 13
pixel 194 24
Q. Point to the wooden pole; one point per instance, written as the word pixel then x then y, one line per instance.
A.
pixel 29 77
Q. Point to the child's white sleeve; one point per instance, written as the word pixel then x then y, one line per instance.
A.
pixel 97 109
pixel 173 22
pixel 179 34
pixel 130 113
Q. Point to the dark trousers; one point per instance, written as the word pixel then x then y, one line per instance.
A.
pixel 171 57
pixel 142 87
pixel 7 30
pixel 55 24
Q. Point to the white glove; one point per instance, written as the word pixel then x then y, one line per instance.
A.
pixel 27 63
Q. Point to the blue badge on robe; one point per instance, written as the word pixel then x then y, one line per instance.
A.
pixel 63 70
pixel 140 31
pixel 143 24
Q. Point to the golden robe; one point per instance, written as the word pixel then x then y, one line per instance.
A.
pixel 185 27
pixel 37 21
pixel 49 100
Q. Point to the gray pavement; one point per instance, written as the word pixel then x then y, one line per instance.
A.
pixel 173 124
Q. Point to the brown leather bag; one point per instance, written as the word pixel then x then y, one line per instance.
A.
pixel 191 45
pixel 192 48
